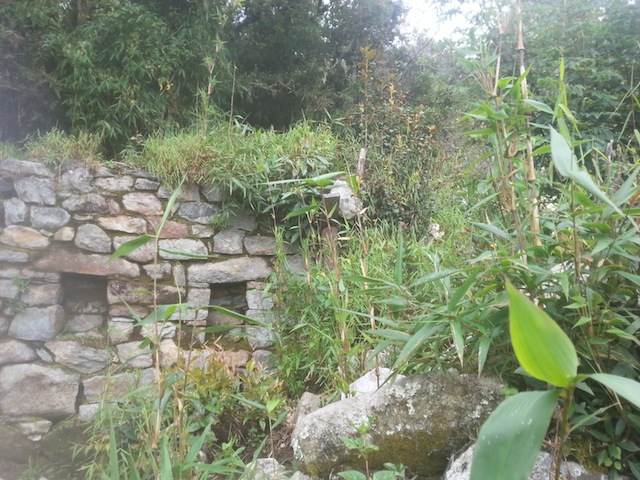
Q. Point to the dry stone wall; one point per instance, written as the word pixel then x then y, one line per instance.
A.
pixel 66 307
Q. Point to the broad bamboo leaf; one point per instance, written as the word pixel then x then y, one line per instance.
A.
pixel 398 269
pixel 562 155
pixel 132 245
pixel 509 441
pixel 458 340
pixel 301 211
pixel 461 291
pixel 431 277
pixel 237 315
pixel 416 340
pixel 487 227
pixel 625 387
pixel 543 107
pixel 542 348
pixel 583 179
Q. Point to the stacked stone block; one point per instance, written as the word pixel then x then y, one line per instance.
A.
pixel 57 346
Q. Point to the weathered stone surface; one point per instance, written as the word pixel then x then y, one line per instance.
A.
pixel 123 223
pixel 42 295
pixel 93 238
pixel 9 289
pixel 15 211
pixel 115 184
pixel 15 446
pixel 160 271
pixel 76 356
pixel 198 212
pixel 11 168
pixel 121 310
pixel 65 234
pixel 23 237
pixel 60 260
pixel 146 184
pixel 264 358
pixel 229 271
pixel 13 256
pixel 89 203
pixel 36 390
pixel 460 469
pixel 265 469
pixel 115 386
pixel 260 337
pixel 242 221
pixel 113 206
pixel 170 229
pixel 419 421
pixel 202 231
pixel 215 193
pixel 35 190
pixel 189 192
pixel 197 299
pixel 14 351
pixel 119 291
pixel 144 253
pixel 259 245
pixel 371 381
pixel 4 325
pixel 258 300
pixel 76 180
pixel 35 276
pixel 34 429
pixel 349 205
pixel 50 218
pixel 141 202
pixel 84 322
pixel 39 324
pixel 120 329
pixel 133 356
pixel 181 249
pixel 220 319
pixel 58 446
pixel 169 353
pixel 229 242
pixel 158 331
pixel 9 273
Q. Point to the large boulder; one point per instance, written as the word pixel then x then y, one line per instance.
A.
pixel 419 421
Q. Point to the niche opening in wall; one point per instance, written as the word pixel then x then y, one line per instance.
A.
pixel 84 301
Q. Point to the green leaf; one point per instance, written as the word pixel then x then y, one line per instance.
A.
pixel 461 291
pixel 352 475
pixel 458 340
pixel 543 107
pixel 563 158
pixel 487 227
pixel 301 211
pixel 128 247
pixel 417 339
pixel 625 387
pixel 542 348
pixel 431 277
pixel 509 441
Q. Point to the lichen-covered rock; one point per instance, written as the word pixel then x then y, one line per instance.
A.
pixel 230 271
pixel 418 421
pixel 50 218
pixel 36 390
pixel 78 357
pixel 38 324
pixel 23 237
pixel 93 238
pixel 60 260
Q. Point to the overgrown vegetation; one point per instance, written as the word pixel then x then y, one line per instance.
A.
pixel 542 192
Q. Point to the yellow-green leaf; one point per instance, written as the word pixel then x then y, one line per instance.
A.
pixel 542 348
